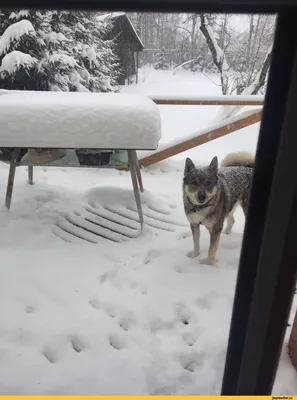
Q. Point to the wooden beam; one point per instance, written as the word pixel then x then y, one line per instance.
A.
pixel 229 127
pixel 210 102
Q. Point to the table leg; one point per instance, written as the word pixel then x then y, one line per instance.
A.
pixel 133 171
pixel 30 174
pixel 10 182
pixel 138 171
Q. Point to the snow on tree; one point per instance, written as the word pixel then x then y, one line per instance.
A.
pixel 162 62
pixel 20 53
pixel 218 54
pixel 15 60
pixel 55 50
pixel 229 77
pixel 98 66
pixel 255 86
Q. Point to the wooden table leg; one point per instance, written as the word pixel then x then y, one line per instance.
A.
pixel 10 182
pixel 138 171
pixel 133 169
pixel 30 174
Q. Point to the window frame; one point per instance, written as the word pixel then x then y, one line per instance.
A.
pixel 267 269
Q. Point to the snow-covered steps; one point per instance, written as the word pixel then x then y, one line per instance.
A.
pixel 115 223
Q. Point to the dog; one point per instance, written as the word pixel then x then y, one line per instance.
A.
pixel 211 194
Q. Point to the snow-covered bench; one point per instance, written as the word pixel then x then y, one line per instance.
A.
pixel 51 120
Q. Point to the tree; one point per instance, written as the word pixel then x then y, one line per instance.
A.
pixel 162 62
pixel 229 77
pixel 21 49
pixel 97 67
pixel 218 55
pixel 55 50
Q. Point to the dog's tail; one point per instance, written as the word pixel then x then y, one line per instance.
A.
pixel 240 159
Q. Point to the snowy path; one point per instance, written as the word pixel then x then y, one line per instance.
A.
pixel 136 317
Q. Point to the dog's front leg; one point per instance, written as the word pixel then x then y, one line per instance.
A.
pixel 196 241
pixel 214 243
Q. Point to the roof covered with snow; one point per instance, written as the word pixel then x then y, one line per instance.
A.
pixel 121 15
pixel 110 15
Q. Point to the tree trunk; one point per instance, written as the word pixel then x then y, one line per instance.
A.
pixel 249 44
pixel 216 52
pixel 193 36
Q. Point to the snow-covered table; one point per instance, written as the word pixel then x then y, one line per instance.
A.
pixel 59 120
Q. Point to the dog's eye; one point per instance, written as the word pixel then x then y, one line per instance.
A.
pixel 208 184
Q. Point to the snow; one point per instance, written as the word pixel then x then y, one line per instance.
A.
pixel 55 37
pixel 104 17
pixel 20 14
pixel 63 59
pixel 12 61
pixel 128 317
pixel 74 120
pixel 14 32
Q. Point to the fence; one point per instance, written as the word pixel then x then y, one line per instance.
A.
pixel 226 127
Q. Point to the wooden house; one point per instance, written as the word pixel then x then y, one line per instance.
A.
pixel 128 44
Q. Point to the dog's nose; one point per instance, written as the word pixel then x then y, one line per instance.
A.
pixel 201 197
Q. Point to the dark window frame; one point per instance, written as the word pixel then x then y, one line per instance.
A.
pixel 267 270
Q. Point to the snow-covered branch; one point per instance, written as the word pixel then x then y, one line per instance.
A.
pixel 217 53
pixel 14 32
pixel 252 89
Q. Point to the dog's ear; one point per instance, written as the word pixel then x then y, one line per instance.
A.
pixel 188 166
pixel 213 166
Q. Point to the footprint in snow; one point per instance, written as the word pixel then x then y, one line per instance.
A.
pixel 50 354
pixel 116 342
pixel 191 362
pixel 77 344
pixel 29 309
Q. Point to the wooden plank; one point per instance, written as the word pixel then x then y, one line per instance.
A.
pixel 210 102
pixel 198 140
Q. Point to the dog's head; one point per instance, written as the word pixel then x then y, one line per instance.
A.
pixel 200 184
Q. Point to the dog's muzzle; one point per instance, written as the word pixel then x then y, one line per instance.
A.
pixel 201 196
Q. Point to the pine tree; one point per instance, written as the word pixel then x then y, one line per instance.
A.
pixel 21 49
pixel 98 68
pixel 162 62
pixel 55 50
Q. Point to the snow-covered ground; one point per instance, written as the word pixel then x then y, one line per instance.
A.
pixel 137 317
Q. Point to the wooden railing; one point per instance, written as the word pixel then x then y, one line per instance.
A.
pixel 215 131
pixel 209 100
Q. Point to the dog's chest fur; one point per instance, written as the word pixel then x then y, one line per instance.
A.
pixel 197 215
pixel 196 218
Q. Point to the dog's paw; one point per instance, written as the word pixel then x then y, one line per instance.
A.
pixel 193 253
pixel 227 231
pixel 207 261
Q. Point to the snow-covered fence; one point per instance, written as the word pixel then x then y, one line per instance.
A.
pixel 212 132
